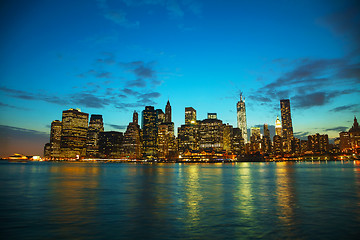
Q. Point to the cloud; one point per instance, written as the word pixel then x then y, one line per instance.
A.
pixel 345 23
pixel 89 100
pixel 136 83
pixel 115 126
pixel 12 106
pixel 302 135
pixel 117 16
pixel 337 129
pixel 352 107
pixel 309 82
pixel 140 69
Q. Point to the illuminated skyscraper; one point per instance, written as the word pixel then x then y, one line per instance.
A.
pixel 241 118
pixel 168 112
pixel 149 131
pixel 96 126
pixel 132 143
pixel 287 129
pixel 278 128
pixel 74 133
pixel 55 139
pixel 190 116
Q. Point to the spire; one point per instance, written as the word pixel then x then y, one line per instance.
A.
pixel 168 112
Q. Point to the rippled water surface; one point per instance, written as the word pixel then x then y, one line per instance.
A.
pixel 50 200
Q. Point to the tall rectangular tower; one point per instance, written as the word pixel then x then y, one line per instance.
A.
pixel 74 133
pixel 241 118
pixel 287 129
pixel 96 126
pixel 149 131
pixel 190 116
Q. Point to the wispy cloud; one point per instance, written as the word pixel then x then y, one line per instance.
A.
pixel 117 16
pixel 337 129
pixel 115 126
pixel 351 107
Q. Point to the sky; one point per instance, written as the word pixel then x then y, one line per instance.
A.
pixel 115 57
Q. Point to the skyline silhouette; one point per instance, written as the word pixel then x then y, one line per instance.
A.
pixel 113 57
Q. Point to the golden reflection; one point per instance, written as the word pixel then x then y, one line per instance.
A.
pixel 193 194
pixel 285 192
pixel 74 197
pixel 244 193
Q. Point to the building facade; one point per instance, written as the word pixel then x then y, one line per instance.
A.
pixel 74 133
pixel 241 118
pixel 287 128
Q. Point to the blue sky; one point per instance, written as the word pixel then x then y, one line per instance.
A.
pixel 113 57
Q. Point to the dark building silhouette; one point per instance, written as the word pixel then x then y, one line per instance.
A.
pixel 287 128
pixel 74 133
pixel 132 143
pixel 96 126
pixel 266 140
pixel 277 145
pixel 111 144
pixel 168 112
pixel 237 142
pixel 55 139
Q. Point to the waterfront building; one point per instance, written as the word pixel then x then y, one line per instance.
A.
pixel 241 118
pixel 211 133
pixel 267 139
pixel 188 137
pixel 278 128
pixel 227 137
pixel 354 133
pixel 166 145
pixel 149 132
pixel 190 116
pixel 277 145
pixel 237 142
pixel 296 146
pixel 96 126
pixel 318 143
pixel 47 150
pixel 255 140
pixel 345 143
pixel 132 143
pixel 111 144
pixel 287 129
pixel 55 139
pixel 74 133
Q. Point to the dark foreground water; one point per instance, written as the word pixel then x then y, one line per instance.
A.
pixel 180 201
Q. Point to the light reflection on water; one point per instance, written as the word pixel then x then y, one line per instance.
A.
pixel 164 201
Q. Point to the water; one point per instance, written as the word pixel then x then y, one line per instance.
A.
pixel 50 200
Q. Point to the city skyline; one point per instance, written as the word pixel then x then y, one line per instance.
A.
pixel 114 57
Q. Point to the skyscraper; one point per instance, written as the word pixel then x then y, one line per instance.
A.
pixel 131 143
pixel 287 129
pixel 55 139
pixel 149 131
pixel 96 126
pixel 241 118
pixel 190 116
pixel 74 133
pixel 168 112
pixel 278 128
